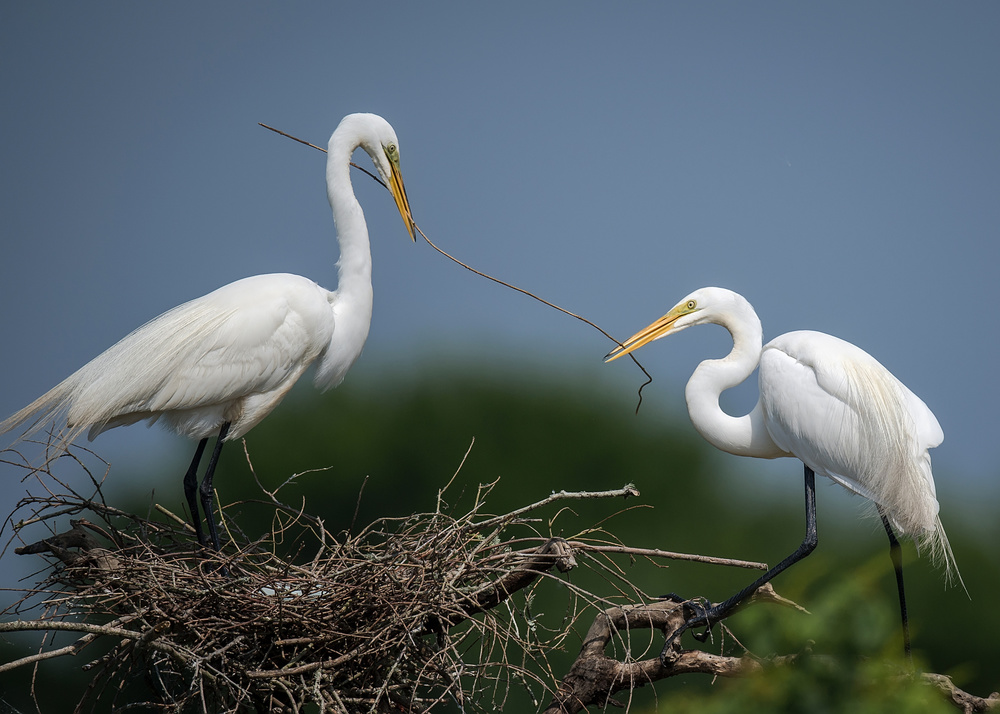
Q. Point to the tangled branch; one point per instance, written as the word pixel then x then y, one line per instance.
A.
pixel 595 677
pixel 403 616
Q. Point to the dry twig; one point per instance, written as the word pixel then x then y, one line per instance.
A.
pixel 482 274
pixel 400 617
pixel 404 614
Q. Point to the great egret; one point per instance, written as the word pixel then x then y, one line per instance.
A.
pixel 829 404
pixel 220 363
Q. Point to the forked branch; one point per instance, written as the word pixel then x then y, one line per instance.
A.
pixel 595 677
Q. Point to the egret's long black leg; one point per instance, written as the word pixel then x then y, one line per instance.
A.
pixel 709 616
pixel 207 493
pixel 191 489
pixel 896 554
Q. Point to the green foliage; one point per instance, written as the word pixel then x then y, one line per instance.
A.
pixel 551 436
pixel 407 434
pixel 852 661
pixel 539 434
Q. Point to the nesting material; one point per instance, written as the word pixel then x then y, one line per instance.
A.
pixel 400 616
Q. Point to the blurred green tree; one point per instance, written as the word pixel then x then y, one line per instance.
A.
pixel 406 434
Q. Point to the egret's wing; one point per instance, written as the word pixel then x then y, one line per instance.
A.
pixel 247 344
pixel 841 412
pixel 245 338
pixel 929 431
pixel 846 416
pixel 810 419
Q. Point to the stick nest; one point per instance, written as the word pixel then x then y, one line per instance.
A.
pixel 401 616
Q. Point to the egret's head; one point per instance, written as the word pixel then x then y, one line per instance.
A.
pixel 377 138
pixel 702 306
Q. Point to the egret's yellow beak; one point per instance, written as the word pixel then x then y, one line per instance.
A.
pixel 399 194
pixel 658 329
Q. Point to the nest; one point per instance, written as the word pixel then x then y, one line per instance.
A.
pixel 403 616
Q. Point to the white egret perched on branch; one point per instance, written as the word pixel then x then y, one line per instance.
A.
pixel 829 404
pixel 219 364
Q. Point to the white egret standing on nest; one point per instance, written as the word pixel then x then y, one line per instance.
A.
pixel 829 404
pixel 220 363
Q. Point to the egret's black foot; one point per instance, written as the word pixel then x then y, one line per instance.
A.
pixel 704 616
pixel 698 612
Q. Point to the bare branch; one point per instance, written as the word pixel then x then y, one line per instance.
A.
pixel 594 677
pixel 968 703
pixel 623 492
pixel 401 616
pixel 656 553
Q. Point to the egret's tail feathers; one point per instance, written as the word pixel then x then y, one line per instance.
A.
pixel 50 410
pixel 938 549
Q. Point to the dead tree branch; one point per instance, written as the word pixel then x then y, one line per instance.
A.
pixel 400 617
pixel 595 677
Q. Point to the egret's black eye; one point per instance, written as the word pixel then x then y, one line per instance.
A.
pixel 691 304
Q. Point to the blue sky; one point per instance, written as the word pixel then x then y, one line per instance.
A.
pixel 837 163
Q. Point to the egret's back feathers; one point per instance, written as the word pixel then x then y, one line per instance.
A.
pixel 842 413
pixel 226 356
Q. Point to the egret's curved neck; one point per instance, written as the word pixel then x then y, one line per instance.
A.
pixel 745 435
pixel 351 302
pixel 354 267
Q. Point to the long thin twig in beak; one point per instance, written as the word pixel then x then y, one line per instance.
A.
pixel 486 275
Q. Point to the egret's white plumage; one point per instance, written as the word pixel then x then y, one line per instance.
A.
pixel 836 408
pixel 229 357
pixel 822 400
